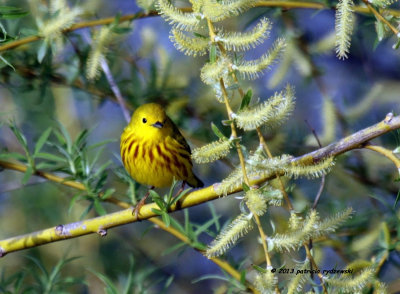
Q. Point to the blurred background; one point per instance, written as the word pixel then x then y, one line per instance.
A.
pixel 334 97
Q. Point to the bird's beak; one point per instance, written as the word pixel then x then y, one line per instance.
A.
pixel 158 125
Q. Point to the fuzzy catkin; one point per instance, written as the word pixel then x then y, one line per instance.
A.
pixel 266 282
pixel 212 151
pixel 245 41
pixel 184 21
pixel 228 236
pixel 252 69
pixel 270 113
pixel 344 27
pixel 195 46
pixel 256 202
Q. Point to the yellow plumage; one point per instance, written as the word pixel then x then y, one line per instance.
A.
pixel 153 150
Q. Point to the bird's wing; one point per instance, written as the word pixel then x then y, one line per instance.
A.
pixel 176 134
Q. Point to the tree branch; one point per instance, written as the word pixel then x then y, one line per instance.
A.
pixel 108 20
pixel 102 223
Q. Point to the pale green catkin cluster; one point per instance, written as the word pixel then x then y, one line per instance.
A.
pixel 271 113
pixel 297 283
pixel 101 39
pixel 266 282
pixel 228 236
pixel 196 34
pixel 344 27
pixel 302 230
pixel 212 151
pixel 61 17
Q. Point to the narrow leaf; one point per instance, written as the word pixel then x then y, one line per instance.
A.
pixel 246 99
pixel 42 139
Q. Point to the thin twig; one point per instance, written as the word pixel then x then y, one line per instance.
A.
pixel 385 152
pixel 315 266
pixel 115 89
pixel 381 18
pixel 322 185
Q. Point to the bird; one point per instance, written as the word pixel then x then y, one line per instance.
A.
pixel 154 152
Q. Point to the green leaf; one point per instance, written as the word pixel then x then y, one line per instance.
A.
pixel 99 208
pixel 173 248
pixel 42 139
pixel 42 51
pixel 246 99
pixel 380 30
pixel 217 132
pixel 245 187
pixel 199 245
pixel 111 288
pixel 64 137
pixel 243 277
pixel 397 200
pixel 168 282
pixel 49 156
pixel 6 62
pixel 177 226
pixel 12 155
pixel 213 53
pixel 157 211
pixel 121 31
pixel 75 198
pixel 27 175
pixel 107 194
pixel 384 236
pixel 19 135
pixel 397 150
pixel 200 35
pixel 166 218
pixel 259 269
pixel 226 122
pixel 215 217
pixel 9 12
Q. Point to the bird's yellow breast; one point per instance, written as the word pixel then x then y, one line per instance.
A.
pixel 155 162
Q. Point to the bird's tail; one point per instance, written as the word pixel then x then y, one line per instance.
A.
pixel 195 182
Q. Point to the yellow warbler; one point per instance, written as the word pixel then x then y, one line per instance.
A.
pixel 154 152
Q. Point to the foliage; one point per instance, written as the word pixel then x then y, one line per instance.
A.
pixel 60 124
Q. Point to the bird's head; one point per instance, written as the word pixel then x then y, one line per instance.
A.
pixel 150 121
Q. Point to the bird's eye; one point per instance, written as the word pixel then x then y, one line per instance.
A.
pixel 144 120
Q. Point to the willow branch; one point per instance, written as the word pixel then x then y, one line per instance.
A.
pixel 385 152
pixel 102 223
pixel 109 20
pixel 159 223
pixel 81 25
pixel 381 18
